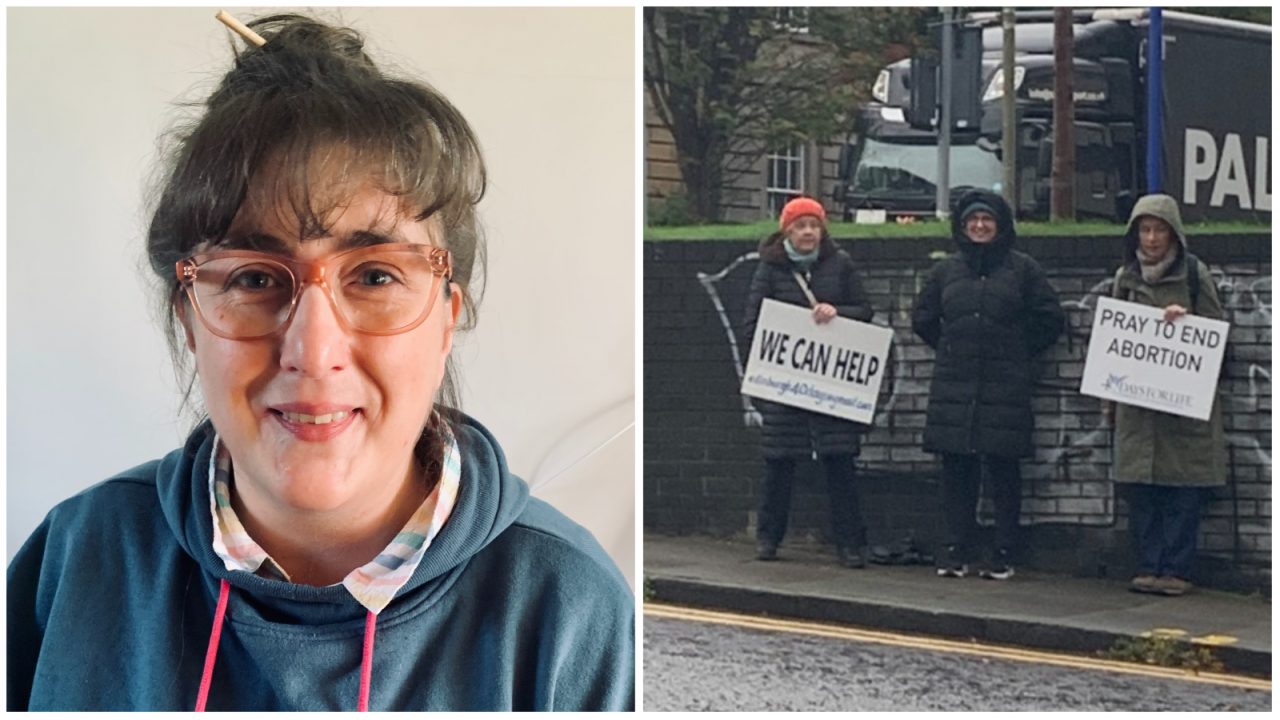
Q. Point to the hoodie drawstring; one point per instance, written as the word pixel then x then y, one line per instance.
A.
pixel 211 655
pixel 366 662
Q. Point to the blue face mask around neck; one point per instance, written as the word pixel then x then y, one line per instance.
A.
pixel 797 257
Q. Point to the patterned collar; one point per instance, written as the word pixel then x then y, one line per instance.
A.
pixel 372 585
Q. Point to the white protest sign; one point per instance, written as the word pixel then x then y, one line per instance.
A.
pixel 1137 358
pixel 834 368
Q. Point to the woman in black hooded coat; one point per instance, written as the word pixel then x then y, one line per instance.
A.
pixel 987 311
pixel 800 256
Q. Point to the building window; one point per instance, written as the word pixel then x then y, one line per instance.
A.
pixel 784 176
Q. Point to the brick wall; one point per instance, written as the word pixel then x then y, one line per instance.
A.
pixel 701 441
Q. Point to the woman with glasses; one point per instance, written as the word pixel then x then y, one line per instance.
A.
pixel 987 311
pixel 335 535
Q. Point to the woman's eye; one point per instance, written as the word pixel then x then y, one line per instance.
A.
pixel 375 277
pixel 254 280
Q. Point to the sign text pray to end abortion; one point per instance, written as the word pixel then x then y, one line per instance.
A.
pixel 834 368
pixel 1137 358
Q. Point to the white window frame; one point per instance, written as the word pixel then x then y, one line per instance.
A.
pixel 784 174
pixel 793 19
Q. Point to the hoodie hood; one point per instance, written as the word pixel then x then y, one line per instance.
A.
pixel 1157 206
pixel 489 499
pixel 985 255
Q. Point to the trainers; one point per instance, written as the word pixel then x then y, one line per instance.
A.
pixel 950 564
pixel 1144 584
pixel 996 572
pixel 766 550
pixel 999 569
pixel 1172 586
pixel 851 557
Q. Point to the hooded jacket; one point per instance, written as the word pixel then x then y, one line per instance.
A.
pixel 791 431
pixel 112 600
pixel 987 311
pixel 1153 447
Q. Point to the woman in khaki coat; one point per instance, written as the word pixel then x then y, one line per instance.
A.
pixel 1165 462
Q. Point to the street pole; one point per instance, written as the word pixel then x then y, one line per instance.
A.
pixel 1155 95
pixel 944 121
pixel 1062 195
pixel 1008 140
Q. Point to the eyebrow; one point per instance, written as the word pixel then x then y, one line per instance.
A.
pixel 265 242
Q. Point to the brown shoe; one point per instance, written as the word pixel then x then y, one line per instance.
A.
pixel 1173 586
pixel 1145 584
pixel 766 550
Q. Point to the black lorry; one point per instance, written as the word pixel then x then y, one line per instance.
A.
pixel 1216 155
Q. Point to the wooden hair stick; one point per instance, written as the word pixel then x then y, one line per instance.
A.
pixel 240 28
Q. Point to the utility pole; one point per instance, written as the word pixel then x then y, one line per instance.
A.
pixel 1155 96
pixel 944 120
pixel 1008 139
pixel 1062 206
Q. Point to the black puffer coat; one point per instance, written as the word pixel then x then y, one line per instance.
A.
pixel 790 431
pixel 987 311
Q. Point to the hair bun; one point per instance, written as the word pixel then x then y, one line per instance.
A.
pixel 299 33
pixel 292 40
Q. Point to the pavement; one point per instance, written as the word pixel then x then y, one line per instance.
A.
pixel 1032 610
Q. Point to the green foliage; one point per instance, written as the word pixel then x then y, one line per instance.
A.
pixel 649 594
pixel 675 209
pixel 928 228
pixel 1164 651
pixel 759 230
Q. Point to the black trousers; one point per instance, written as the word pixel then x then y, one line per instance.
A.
pixel 775 501
pixel 961 483
pixel 1164 522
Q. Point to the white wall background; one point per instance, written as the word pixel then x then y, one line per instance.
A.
pixel 549 369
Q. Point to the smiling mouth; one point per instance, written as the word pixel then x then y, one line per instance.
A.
pixel 314 419
pixel 316 428
pixel 305 419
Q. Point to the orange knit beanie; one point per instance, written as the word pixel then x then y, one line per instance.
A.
pixel 798 207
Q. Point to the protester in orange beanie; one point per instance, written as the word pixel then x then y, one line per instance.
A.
pixel 801 265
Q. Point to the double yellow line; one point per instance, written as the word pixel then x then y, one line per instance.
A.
pixel 939 645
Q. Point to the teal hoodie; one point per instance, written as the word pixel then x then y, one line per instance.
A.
pixel 111 604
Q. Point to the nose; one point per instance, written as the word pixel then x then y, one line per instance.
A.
pixel 315 343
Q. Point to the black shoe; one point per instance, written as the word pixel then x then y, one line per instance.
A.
pixel 766 550
pixel 851 557
pixel 950 564
pixel 1000 568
